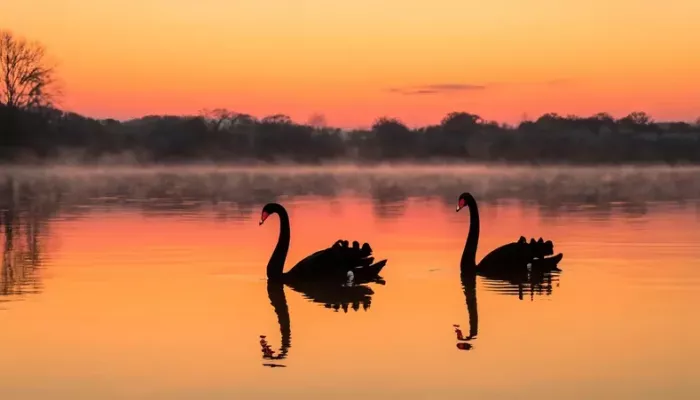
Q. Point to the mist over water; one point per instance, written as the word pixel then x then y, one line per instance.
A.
pixel 123 282
pixel 236 190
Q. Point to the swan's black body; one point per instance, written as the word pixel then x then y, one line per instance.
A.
pixel 508 259
pixel 336 263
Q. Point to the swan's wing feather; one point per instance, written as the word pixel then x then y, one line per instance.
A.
pixel 334 261
pixel 508 254
pixel 314 263
pixel 517 254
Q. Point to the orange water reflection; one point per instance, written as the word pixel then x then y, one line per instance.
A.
pixel 171 306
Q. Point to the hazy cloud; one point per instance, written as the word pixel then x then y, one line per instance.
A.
pixel 446 88
pixel 438 88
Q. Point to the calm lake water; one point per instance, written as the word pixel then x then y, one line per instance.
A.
pixel 135 284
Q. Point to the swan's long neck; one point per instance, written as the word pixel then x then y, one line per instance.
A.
pixel 275 266
pixel 469 253
pixel 275 292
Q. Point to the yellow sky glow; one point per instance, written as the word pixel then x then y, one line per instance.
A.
pixel 127 58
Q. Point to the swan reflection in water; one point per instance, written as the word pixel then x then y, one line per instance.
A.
pixel 468 279
pixel 330 295
pixel 537 282
pixel 540 283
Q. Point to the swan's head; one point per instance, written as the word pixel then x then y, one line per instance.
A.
pixel 464 199
pixel 263 217
pixel 266 211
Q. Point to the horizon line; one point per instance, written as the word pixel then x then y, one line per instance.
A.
pixel 201 112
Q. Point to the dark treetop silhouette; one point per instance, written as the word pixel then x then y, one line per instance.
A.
pixel 338 263
pixel 516 257
pixel 331 295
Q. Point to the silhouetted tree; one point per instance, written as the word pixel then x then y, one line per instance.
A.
pixel 393 137
pixel 603 117
pixel 276 119
pixel 639 118
pixel 456 128
pixel 26 78
pixel 27 90
pixel 636 122
pixel 460 121
pixel 218 118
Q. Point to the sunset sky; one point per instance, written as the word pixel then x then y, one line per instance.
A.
pixel 356 60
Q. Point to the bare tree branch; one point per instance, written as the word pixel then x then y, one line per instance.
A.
pixel 26 78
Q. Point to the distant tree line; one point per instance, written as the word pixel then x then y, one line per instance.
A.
pixel 223 136
pixel 33 129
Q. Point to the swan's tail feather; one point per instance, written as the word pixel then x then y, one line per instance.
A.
pixel 370 271
pixel 377 266
pixel 548 263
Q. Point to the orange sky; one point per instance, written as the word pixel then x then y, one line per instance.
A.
pixel 129 58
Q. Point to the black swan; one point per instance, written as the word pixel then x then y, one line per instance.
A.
pixel 519 256
pixel 337 263
pixel 331 295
